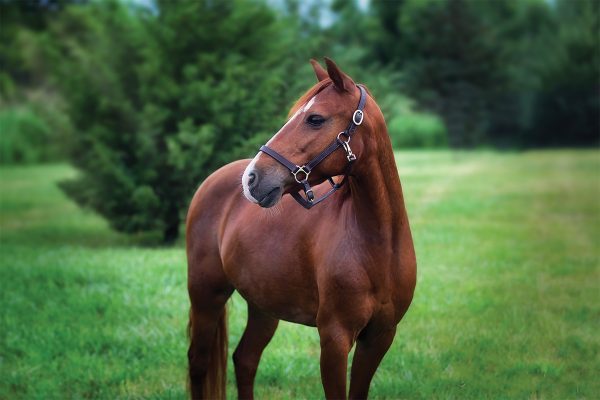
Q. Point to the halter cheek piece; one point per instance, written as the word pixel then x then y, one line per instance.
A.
pixel 301 173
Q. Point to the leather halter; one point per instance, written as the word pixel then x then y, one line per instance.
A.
pixel 301 173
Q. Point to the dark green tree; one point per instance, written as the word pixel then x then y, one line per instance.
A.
pixel 161 98
pixel 450 64
pixel 524 35
pixel 33 124
pixel 507 73
pixel 17 17
pixel 567 107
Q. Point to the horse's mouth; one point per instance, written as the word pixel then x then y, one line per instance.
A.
pixel 271 198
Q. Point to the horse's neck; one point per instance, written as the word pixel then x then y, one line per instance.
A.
pixel 376 195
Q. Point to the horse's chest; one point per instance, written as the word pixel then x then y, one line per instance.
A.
pixel 278 280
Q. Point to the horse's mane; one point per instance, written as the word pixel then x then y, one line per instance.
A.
pixel 313 91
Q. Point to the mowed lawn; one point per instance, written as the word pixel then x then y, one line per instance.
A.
pixel 507 302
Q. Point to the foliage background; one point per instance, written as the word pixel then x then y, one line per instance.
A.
pixel 146 98
pixel 143 99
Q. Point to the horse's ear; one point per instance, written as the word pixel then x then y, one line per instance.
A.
pixel 340 80
pixel 319 71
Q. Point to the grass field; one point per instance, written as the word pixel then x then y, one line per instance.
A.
pixel 507 303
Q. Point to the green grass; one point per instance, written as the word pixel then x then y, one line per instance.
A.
pixel 506 306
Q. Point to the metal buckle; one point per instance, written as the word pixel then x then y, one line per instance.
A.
pixel 297 171
pixel 358 114
pixel 310 196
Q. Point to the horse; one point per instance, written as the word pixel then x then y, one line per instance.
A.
pixel 343 263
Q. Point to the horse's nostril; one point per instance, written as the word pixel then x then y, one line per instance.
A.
pixel 251 178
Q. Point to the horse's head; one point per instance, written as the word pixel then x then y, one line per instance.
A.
pixel 316 120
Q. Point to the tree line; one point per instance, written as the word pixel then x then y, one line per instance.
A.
pixel 146 99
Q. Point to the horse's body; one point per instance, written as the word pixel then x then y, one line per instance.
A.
pixel 346 266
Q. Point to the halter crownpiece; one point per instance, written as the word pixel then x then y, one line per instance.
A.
pixel 301 173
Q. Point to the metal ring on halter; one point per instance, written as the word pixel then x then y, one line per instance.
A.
pixel 358 114
pixel 345 134
pixel 297 171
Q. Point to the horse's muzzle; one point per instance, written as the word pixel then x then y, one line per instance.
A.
pixel 262 189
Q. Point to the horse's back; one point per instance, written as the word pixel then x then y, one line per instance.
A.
pixel 219 186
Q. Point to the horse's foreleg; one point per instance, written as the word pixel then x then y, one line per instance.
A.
pixel 207 353
pixel 371 346
pixel 257 335
pixel 336 342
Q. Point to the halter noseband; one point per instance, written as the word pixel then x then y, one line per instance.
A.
pixel 301 173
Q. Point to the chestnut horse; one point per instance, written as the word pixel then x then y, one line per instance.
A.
pixel 346 266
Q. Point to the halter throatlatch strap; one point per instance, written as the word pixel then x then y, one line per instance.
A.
pixel 301 173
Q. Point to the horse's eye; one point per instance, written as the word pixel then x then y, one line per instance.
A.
pixel 315 120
